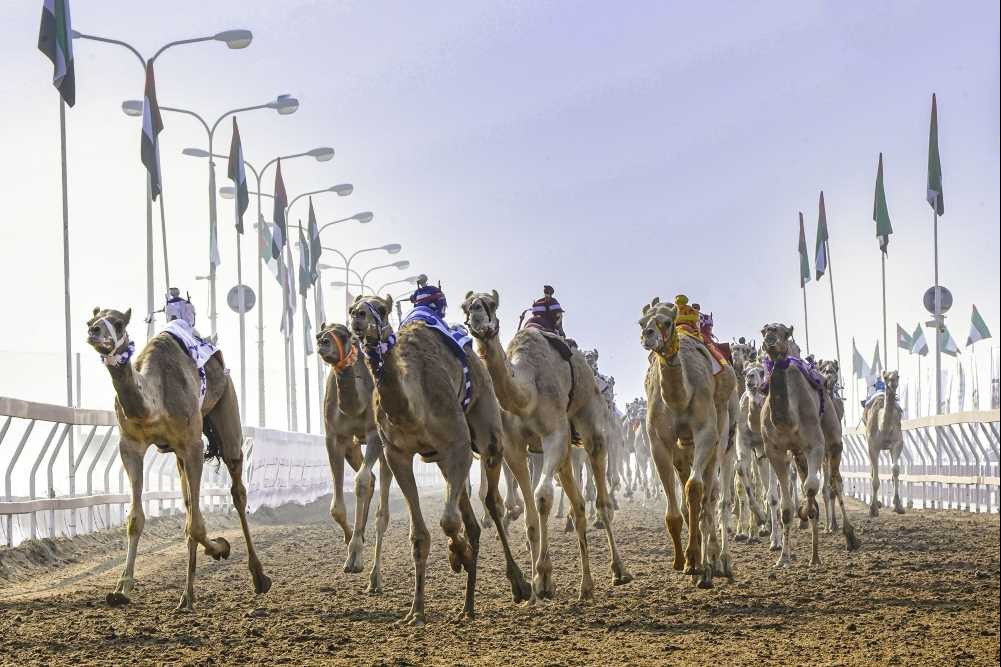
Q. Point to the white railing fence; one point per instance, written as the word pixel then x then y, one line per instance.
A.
pixel 83 486
pixel 948 462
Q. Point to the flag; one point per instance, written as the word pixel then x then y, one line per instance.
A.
pixel 279 235
pixel 315 249
pixel 880 214
pixel 304 281
pixel 804 260
pixel 961 390
pixel 264 244
pixel 152 126
pixel 307 332
pixel 321 312
pixel 238 174
pixel 918 343
pixel 877 365
pixel 904 339
pixel 55 40
pixel 820 254
pixel 947 345
pixel 860 369
pixel 935 195
pixel 978 328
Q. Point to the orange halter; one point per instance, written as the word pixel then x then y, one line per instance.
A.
pixel 344 361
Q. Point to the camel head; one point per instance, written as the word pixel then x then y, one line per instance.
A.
pixel 481 313
pixel 106 331
pixel 777 341
pixel 591 357
pixel 831 371
pixel 743 352
pixel 892 380
pixel 754 381
pixel 334 345
pixel 657 328
pixel 370 319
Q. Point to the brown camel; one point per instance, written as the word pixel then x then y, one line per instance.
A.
pixel 349 416
pixel 882 419
pixel 157 403
pixel 690 422
pixel 420 388
pixel 547 385
pixel 796 422
pixel 831 372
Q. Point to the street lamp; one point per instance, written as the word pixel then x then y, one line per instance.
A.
pixel 234 39
pixel 391 248
pixel 320 154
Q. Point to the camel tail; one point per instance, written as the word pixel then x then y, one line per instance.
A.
pixel 214 448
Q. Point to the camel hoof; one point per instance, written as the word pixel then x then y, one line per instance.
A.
pixel 521 591
pixel 764 531
pixel 775 547
pixel 753 540
pixel 355 561
pixel 740 537
pixel 568 526
pixel 879 503
pixel 184 606
pixel 117 599
pixel 899 509
pixel 705 584
pixel 783 563
pixel 222 545
pixel 622 578
pixel 598 524
pixel 374 590
pixel 465 616
pixel 873 511
pixel 815 561
pixel 693 570
pixel 679 564
pixel 803 524
pixel 262 583
pixel 486 522
pixel 851 539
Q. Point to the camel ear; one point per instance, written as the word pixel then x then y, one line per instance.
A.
pixel 323 325
pixel 97 309
pixel 496 297
pixel 468 294
pixel 790 327
pixel 358 298
pixel 128 317
pixel 388 303
pixel 655 301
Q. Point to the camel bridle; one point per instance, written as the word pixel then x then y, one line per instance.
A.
pixel 485 304
pixel 121 347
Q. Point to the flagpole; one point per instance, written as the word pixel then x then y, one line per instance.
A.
pixel 66 296
pixel 290 337
pixel 163 235
pixel 149 258
pixel 305 360
pixel 261 405
pixel 806 322
pixel 318 303
pixel 243 315
pixel 917 406
pixel 886 351
pixel 834 309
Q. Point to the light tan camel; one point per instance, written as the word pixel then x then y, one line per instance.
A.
pixel 157 403
pixel 882 426
pixel 548 386
pixel 831 372
pixel 690 425
pixel 752 463
pixel 795 422
pixel 349 417
pixel 419 390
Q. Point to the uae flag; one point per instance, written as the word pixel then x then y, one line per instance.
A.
pixel 935 198
pixel 978 328
pixel 304 281
pixel 820 253
pixel 152 126
pixel 880 214
pixel 904 339
pixel 947 345
pixel 279 234
pixel 315 249
pixel 860 369
pixel 804 258
pixel 55 40
pixel 918 343
pixel 877 365
pixel 237 173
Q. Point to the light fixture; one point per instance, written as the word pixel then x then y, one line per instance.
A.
pixel 235 39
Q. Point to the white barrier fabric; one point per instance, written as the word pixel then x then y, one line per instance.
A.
pixel 283 467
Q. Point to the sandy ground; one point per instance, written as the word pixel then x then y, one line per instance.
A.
pixel 923 590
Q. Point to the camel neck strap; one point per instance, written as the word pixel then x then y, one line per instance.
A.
pixel 670 355
pixel 344 360
pixel 122 348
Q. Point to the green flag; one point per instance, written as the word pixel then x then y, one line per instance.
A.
pixel 820 253
pixel 55 40
pixel 877 366
pixel 804 259
pixel 879 211
pixel 904 339
pixel 919 345
pixel 978 328
pixel 947 345
pixel 860 369
pixel 935 196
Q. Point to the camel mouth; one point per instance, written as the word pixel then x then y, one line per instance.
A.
pixel 101 344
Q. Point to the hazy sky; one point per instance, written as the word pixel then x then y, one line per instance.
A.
pixel 617 152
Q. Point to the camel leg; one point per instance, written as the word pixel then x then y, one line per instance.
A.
pixel 262 583
pixel 132 455
pixel 336 452
pixel 381 522
pixel 705 441
pixel 741 497
pixel 830 520
pixel 577 509
pixel 898 506
pixel 520 588
pixel 486 522
pixel 874 476
pixel 663 458
pixel 517 459
pixel 190 464
pixel 559 508
pixel 760 492
pixel 837 489
pixel 726 486
pixel 555 450
pixel 364 490
pixel 463 550
pixel 810 508
pixel 774 504
pixel 402 465
pixel 598 452
pixel 514 506
pixel 780 473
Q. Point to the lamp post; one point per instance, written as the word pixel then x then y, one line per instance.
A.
pixel 321 154
pixel 234 39
pixel 391 248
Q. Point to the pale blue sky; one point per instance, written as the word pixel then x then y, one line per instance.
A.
pixel 616 152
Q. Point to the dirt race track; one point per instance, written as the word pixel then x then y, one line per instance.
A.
pixel 923 590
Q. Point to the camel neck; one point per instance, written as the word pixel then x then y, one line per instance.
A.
pixel 672 381
pixel 510 395
pixel 348 397
pixel 128 391
pixel 392 395
pixel 778 395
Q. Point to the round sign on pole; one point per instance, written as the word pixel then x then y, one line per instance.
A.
pixel 241 299
pixel 945 300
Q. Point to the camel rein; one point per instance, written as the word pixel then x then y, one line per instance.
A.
pixel 122 349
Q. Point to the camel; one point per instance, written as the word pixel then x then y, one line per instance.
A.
pixel 616 446
pixel 431 402
pixel 831 372
pixel 635 421
pixel 689 418
pixel 796 423
pixel 882 425
pixel 752 464
pixel 159 401
pixel 548 386
pixel 349 416
pixel 513 505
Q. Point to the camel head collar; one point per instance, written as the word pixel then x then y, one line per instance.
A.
pixel 658 329
pixel 106 333
pixel 336 347
pixel 892 381
pixel 370 319
pixel 776 341
pixel 755 381
pixel 481 314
